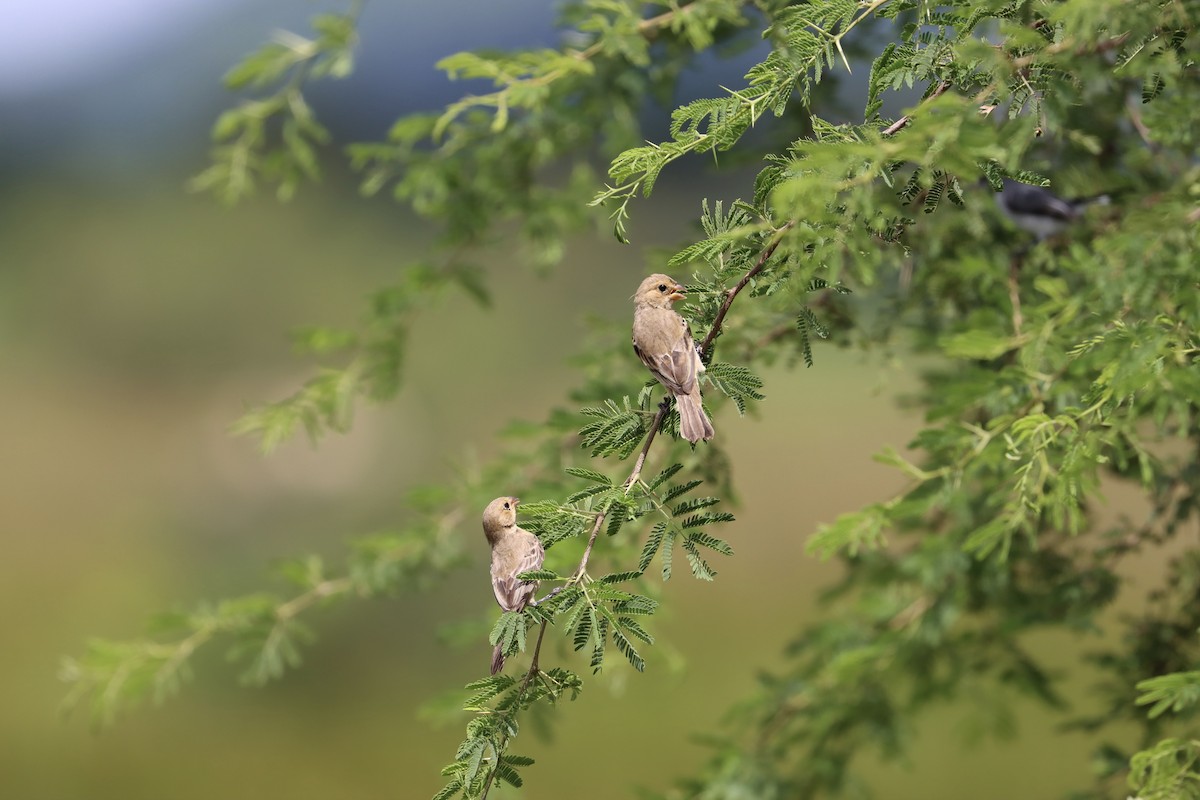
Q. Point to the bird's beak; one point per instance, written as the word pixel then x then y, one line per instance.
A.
pixel 678 294
pixel 516 501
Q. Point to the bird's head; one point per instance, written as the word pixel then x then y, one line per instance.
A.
pixel 500 515
pixel 658 291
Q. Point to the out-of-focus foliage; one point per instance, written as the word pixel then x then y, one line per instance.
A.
pixel 245 151
pixel 1062 365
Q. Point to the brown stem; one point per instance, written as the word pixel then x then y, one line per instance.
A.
pixel 537 651
pixel 529 676
pixel 663 408
pixel 733 293
pixel 587 551
pixel 903 121
pixel 648 28
pixel 1135 116
pixel 1014 294
pixel 1069 44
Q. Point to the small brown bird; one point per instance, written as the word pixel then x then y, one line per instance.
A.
pixel 514 550
pixel 663 341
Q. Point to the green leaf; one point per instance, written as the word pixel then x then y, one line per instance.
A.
pixel 539 575
pixel 853 533
pixel 1167 771
pixel 653 542
pixel 619 577
pixel 588 475
pixel 738 383
pixel 1174 692
pixel 664 476
pixel 977 344
pixel 627 649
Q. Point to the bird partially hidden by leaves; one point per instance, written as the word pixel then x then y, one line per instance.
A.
pixel 663 341
pixel 514 551
pixel 1037 210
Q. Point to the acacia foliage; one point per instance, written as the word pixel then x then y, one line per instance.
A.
pixel 1063 367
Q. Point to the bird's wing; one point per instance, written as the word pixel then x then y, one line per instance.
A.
pixel 676 367
pixel 662 368
pixel 513 594
pixel 1022 198
pixel 1059 208
pixel 684 360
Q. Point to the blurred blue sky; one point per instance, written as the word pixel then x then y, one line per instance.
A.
pixel 44 47
pixel 120 85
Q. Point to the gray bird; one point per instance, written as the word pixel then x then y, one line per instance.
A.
pixel 1038 210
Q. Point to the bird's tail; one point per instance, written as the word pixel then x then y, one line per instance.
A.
pixel 1080 203
pixel 693 422
pixel 497 659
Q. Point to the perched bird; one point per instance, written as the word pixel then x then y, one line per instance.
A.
pixel 663 341
pixel 1038 210
pixel 514 550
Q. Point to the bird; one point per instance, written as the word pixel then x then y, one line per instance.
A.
pixel 514 550
pixel 663 341
pixel 1038 210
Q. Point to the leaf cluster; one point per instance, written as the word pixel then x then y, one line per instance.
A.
pixel 275 138
pixel 265 632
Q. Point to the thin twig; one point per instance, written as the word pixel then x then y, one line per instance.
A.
pixel 533 670
pixel 648 27
pixel 587 551
pixel 913 612
pixel 1135 116
pixel 904 120
pixel 1069 44
pixel 663 408
pixel 733 293
pixel 1014 293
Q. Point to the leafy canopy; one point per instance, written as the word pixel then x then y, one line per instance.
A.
pixel 1061 368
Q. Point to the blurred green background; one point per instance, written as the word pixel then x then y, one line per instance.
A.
pixel 137 322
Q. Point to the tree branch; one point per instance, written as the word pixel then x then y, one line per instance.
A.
pixel 1014 293
pixel 1066 45
pixel 731 294
pixel 529 676
pixel 663 408
pixel 1019 63
pixel 907 118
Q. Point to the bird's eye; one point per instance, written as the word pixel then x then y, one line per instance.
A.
pixel 662 287
pixel 506 505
